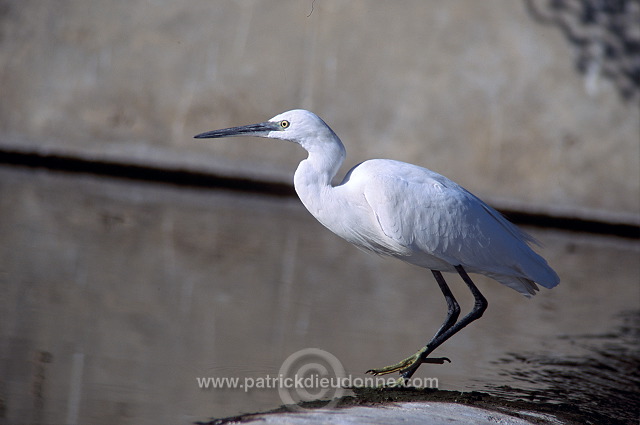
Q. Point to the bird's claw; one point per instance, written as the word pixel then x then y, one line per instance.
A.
pixel 436 360
pixel 410 363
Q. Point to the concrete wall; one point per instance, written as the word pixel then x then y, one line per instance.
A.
pixel 479 91
pixel 115 295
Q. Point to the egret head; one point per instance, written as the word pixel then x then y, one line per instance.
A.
pixel 299 126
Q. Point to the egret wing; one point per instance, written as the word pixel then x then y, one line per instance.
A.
pixel 427 213
pixel 422 215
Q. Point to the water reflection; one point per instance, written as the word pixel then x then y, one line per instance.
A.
pixel 116 296
pixel 596 374
pixel 597 384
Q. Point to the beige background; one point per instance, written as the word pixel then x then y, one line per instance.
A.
pixel 115 295
pixel 478 91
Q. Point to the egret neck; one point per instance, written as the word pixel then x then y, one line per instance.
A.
pixel 313 177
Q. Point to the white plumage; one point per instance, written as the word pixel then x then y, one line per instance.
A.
pixel 408 212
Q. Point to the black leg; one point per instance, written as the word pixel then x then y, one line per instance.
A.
pixel 453 309
pixel 448 329
pixel 408 366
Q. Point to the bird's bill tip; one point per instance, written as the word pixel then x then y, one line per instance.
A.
pixel 260 129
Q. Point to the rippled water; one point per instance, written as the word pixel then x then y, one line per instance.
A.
pixel 116 296
pixel 600 376
pixel 598 383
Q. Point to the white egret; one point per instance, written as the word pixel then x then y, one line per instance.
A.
pixel 410 213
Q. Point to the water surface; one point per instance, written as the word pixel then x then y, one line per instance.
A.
pixel 118 295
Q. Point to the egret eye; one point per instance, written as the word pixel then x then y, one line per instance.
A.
pixel 284 124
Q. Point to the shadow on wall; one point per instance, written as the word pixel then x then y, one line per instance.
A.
pixel 605 36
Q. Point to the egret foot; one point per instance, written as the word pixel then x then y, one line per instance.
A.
pixel 410 363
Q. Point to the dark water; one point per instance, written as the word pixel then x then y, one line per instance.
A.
pixel 601 377
pixel 116 296
pixel 598 384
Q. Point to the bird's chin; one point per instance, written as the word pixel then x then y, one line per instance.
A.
pixel 276 135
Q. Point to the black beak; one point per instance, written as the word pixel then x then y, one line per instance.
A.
pixel 260 129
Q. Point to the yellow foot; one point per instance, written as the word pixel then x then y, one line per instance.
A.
pixel 407 364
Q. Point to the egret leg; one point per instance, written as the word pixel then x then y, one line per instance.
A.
pixel 408 366
pixel 453 311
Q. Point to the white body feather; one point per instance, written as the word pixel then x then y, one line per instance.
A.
pixel 402 210
pixel 414 214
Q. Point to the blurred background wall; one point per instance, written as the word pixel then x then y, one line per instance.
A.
pixel 115 294
pixel 514 100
